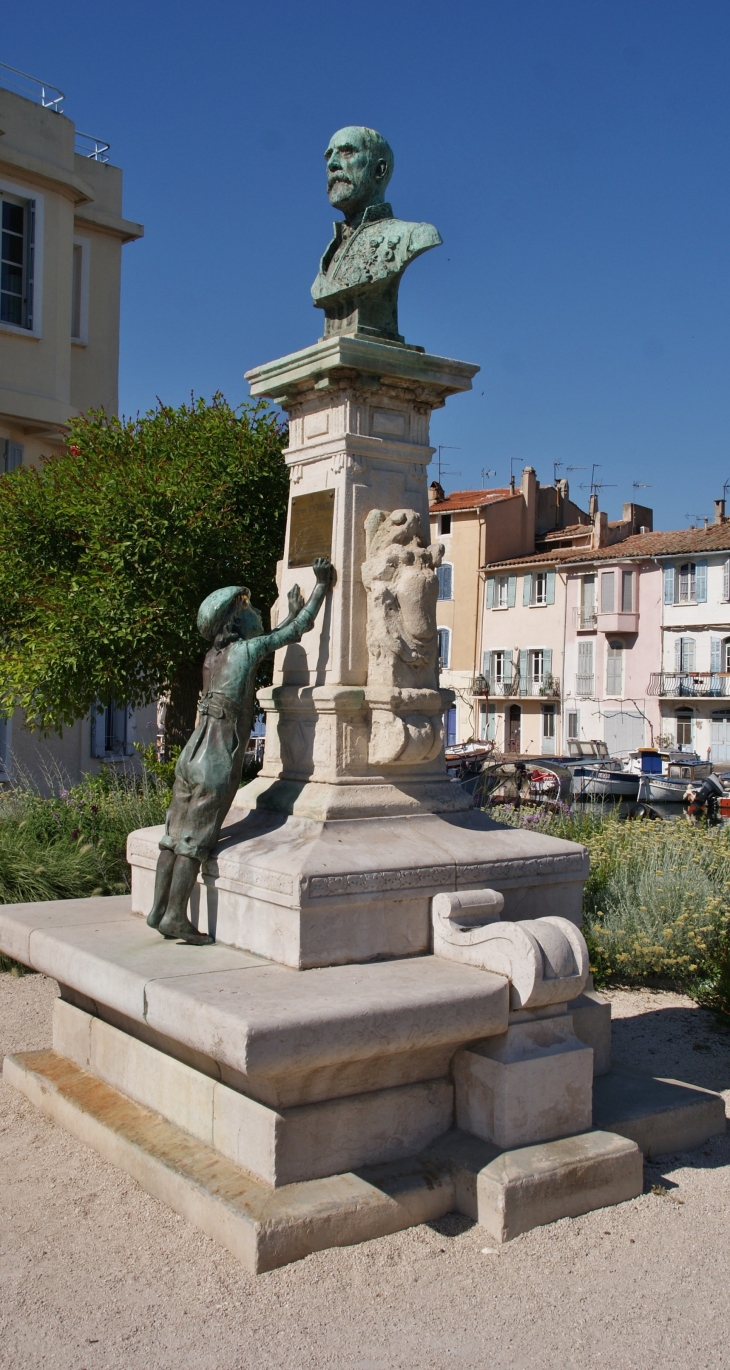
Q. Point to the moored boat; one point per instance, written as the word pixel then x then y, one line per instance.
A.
pixel 609 781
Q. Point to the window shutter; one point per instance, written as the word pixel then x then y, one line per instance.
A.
pixel 678 654
pixel 490 592
pixel 550 587
pixel 688 653
pixel 526 588
pixel 726 581
pixel 444 577
pixel 547 661
pixel 523 670
pixel 701 582
pixel 98 732
pixel 492 723
pixel 487 665
pixel 669 584
pixel 715 653
pixel 13 455
pixel 511 591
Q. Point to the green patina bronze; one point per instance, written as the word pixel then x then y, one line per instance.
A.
pixel 208 771
pixel 359 275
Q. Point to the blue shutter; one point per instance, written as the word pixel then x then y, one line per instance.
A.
pixel 526 588
pixel 490 592
pixel 551 587
pixel 492 723
pixel 715 654
pixel 677 654
pixel 445 580
pixel 511 591
pixel 726 581
pixel 523 672
pixel 701 582
pixel 487 665
pixel 669 585
pixel 547 661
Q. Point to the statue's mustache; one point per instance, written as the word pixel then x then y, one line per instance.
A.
pixel 339 177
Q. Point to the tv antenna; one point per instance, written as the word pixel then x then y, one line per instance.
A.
pixel 556 464
pixel 485 476
pixel 725 489
pixel 640 485
pixel 694 518
pixel 442 469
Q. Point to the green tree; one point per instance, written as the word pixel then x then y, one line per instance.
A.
pixel 109 548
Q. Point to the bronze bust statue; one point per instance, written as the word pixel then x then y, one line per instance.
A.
pixel 358 279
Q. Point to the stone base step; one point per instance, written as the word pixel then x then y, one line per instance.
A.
pixel 263 1227
pixel 507 1192
pixel 661 1116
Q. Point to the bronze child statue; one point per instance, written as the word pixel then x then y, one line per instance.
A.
pixel 208 771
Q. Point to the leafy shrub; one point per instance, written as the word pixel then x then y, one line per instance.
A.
pixel 657 901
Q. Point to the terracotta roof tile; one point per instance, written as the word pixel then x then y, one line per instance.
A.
pixel 680 542
pixel 471 499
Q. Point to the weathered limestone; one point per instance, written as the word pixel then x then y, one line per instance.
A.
pixel 661 1116
pixel 532 1083
pixel 544 959
pixel 279 1146
pixel 591 1013
pixel 514 1191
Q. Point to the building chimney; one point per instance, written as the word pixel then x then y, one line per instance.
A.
pixel 719 511
pixel 593 505
pixel 435 493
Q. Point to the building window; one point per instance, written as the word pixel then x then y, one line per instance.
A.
pixel 112 730
pixel 445 524
pixel 615 669
pixel 537 666
pixel 450 727
pixel 607 592
pixel 685 654
pixel 588 593
pixel 502 587
pixel 584 677
pixel 627 592
pixel 16 266
pixel 684 728
pixel 444 575
pixel 499 667
pixel 12 454
pixel 687 583
pixel 539 587
pixel 572 725
pixel 548 722
pixel 80 290
pixel 444 647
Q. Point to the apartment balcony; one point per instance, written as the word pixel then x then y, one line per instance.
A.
pixel 618 623
pixel 584 619
pixel 547 688
pixel 690 684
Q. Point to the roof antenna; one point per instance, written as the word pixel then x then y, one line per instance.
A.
pixel 512 474
pixel 442 469
pixel 485 476
pixel 556 464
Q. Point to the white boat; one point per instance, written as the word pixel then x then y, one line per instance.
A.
pixel 665 775
pixel 609 781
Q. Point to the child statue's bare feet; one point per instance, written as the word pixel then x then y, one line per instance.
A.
pixel 181 930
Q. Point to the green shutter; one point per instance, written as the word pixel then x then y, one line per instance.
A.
pixel 511 591
pixel 523 671
pixel 547 661
pixel 526 588
pixel 551 587
pixel 490 592
pixel 487 665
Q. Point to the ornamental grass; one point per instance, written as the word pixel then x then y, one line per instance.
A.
pixel 657 901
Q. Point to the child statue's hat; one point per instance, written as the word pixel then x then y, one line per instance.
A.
pixel 213 611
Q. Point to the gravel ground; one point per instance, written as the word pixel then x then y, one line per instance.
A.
pixel 95 1274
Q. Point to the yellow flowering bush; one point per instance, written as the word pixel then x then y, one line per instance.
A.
pixel 657 901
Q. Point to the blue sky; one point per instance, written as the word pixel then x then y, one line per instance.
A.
pixel 574 157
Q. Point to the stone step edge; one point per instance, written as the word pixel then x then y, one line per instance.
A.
pixel 261 1226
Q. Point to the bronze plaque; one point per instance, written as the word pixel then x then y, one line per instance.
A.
pixel 311 527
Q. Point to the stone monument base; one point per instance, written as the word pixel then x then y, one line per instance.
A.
pixel 284 1112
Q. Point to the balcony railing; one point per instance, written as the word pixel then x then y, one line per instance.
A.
pixel 33 89
pixel 584 617
pixel 547 688
pixel 95 149
pixel 584 686
pixel 690 684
